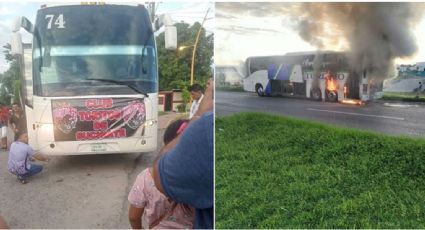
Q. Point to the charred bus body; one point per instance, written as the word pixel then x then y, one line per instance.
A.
pixel 324 76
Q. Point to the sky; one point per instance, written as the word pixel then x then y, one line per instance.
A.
pixel 259 29
pixel 189 12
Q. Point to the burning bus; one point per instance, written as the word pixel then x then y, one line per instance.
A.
pixel 321 76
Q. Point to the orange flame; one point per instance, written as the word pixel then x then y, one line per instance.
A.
pixel 352 102
pixel 330 82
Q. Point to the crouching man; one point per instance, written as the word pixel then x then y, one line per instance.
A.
pixel 19 159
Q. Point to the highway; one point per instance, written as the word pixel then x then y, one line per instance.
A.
pixel 393 118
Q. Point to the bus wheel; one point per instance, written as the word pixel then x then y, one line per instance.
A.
pixel 316 94
pixel 259 90
pixel 332 96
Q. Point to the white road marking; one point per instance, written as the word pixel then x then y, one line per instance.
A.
pixel 400 105
pixel 357 114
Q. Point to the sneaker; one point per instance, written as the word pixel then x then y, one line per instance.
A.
pixel 22 180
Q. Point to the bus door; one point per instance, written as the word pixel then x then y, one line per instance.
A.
pixel 299 84
pixel 353 86
pixel 27 93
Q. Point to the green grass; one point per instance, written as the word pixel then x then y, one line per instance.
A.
pixel 408 97
pixel 277 172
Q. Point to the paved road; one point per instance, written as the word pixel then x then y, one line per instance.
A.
pixel 71 192
pixel 74 191
pixel 390 118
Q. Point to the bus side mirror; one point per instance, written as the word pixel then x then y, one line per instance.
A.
pixel 16 44
pixel 170 30
pixel 162 20
pixel 170 38
pixel 16 26
pixel 24 23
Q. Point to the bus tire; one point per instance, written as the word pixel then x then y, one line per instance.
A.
pixel 332 96
pixel 316 94
pixel 259 90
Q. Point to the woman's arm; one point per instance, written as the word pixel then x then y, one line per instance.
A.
pixel 135 217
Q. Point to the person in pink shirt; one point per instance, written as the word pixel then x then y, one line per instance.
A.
pixel 149 208
pixel 4 119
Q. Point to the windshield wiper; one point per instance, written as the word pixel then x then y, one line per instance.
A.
pixel 119 83
pixel 144 71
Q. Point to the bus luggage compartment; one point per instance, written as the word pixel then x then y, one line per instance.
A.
pixel 287 88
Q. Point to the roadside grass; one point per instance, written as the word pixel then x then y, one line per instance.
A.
pixel 232 88
pixel 278 172
pixel 408 97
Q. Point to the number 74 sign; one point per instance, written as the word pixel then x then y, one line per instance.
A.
pixel 59 22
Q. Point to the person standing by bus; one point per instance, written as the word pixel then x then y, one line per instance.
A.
pixel 19 157
pixel 4 119
pixel 18 120
pixel 418 90
pixel 196 92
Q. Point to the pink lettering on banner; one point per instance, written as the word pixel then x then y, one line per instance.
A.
pixel 95 135
pixel 99 103
pixel 100 125
pixel 99 115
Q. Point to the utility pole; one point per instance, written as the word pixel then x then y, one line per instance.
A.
pixel 151 9
pixel 194 48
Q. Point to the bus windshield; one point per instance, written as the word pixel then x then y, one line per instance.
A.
pixel 75 47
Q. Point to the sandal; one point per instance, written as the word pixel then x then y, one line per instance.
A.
pixel 22 180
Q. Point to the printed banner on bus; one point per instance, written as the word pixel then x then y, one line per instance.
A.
pixel 97 118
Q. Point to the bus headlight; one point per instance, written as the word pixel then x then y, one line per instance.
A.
pixel 150 123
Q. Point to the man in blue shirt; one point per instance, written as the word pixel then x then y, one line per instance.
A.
pixel 19 159
pixel 186 172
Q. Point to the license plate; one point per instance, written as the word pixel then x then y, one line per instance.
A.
pixel 98 147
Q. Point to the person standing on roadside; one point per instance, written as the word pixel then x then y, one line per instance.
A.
pixel 196 92
pixel 418 90
pixel 18 120
pixel 4 120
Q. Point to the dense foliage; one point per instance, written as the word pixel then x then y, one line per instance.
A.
pixel 175 66
pixel 10 80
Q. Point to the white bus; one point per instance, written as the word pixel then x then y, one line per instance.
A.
pixel 90 79
pixel 327 78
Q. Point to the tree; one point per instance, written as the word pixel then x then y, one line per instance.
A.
pixel 174 66
pixel 11 79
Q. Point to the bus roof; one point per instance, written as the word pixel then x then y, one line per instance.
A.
pixel 312 53
pixel 43 6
